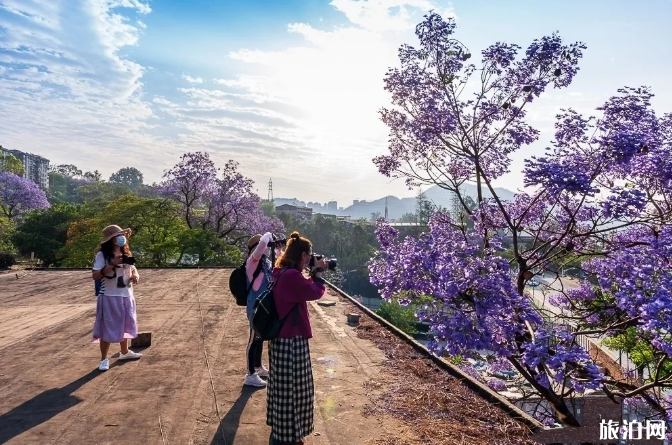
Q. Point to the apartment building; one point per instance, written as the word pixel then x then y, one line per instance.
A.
pixel 36 167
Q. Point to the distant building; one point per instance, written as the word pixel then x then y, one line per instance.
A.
pixel 332 205
pixel 327 216
pixel 355 202
pixel 299 212
pixel 36 167
pixel 345 220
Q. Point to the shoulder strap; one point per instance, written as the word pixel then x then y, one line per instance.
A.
pixel 256 273
pixel 271 285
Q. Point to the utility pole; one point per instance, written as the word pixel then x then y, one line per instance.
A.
pixel 270 190
pixel 386 212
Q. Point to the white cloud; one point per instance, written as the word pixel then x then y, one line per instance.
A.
pixel 306 114
pixel 329 90
pixel 66 92
pixel 387 15
pixel 192 79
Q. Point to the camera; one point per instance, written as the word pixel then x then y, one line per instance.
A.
pixel 331 264
pixel 125 259
pixel 277 242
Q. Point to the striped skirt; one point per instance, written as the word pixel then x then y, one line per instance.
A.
pixel 290 394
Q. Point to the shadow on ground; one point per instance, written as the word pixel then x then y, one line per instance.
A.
pixel 41 408
pixel 231 421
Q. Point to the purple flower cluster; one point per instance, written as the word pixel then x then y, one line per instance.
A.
pixel 20 195
pixel 433 76
pixel 223 202
pixel 476 306
pixel 601 193
pixel 496 385
pixel 636 284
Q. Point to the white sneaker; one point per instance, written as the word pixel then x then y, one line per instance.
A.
pixel 254 380
pixel 130 355
pixel 104 365
pixel 262 372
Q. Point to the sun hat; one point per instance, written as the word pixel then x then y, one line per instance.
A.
pixel 254 240
pixel 110 232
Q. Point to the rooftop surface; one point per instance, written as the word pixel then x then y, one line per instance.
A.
pixel 371 387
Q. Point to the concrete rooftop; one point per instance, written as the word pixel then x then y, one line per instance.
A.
pixel 52 393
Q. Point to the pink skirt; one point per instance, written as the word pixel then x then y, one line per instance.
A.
pixel 116 319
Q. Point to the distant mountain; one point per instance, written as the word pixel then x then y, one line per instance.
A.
pixel 443 197
pixel 396 206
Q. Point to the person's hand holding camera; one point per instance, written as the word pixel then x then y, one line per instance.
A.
pixel 321 265
pixel 117 260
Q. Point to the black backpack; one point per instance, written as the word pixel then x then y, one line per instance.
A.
pixel 238 282
pixel 265 319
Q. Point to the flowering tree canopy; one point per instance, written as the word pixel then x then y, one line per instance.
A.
pixel 19 195
pixel 601 194
pixel 224 203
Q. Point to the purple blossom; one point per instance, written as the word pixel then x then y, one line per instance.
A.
pixel 223 202
pixel 471 372
pixel 601 192
pixel 20 195
pixel 496 385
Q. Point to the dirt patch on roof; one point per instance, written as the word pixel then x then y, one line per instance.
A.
pixel 435 407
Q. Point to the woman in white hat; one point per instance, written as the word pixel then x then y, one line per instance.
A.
pixel 116 320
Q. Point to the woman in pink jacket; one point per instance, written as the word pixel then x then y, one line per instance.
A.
pixel 291 394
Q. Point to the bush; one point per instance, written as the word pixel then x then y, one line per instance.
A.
pixel 7 260
pixel 402 317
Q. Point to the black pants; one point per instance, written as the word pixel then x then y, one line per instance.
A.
pixel 255 348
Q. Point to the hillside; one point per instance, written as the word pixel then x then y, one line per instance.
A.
pixel 397 206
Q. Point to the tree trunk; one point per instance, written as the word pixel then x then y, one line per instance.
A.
pixel 557 403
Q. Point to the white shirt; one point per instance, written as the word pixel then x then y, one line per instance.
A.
pixel 122 272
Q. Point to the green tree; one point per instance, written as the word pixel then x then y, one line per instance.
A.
pixel 45 232
pixel 211 250
pixel 268 207
pixel 131 177
pixel 409 218
pixel 99 195
pixel 425 208
pixel 6 232
pixel 402 317
pixel 156 223
pixel 64 188
pixel 93 176
pixel 353 244
pixel 642 353
pixel 69 170
pixel 82 239
pixel 12 164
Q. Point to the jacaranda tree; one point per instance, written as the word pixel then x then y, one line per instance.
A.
pixel 602 193
pixel 223 202
pixel 19 195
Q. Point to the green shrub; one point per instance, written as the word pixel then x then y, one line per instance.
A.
pixel 402 317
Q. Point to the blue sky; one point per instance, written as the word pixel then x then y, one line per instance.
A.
pixel 290 89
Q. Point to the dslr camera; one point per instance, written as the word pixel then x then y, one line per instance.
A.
pixel 277 242
pixel 125 259
pixel 331 264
